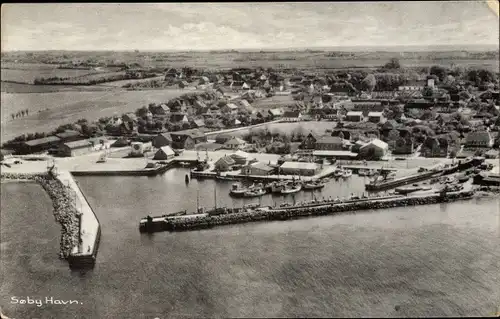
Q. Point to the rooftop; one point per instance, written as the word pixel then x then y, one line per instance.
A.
pixel 299 165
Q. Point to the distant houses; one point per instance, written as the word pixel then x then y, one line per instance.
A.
pixel 187 139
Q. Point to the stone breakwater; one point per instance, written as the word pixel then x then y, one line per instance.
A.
pixel 292 213
pixel 65 212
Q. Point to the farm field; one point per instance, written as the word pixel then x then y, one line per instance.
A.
pixel 29 75
pixel 11 87
pixel 123 82
pixel 49 110
pixel 273 102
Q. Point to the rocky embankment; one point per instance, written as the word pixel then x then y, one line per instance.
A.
pixel 65 212
pixel 291 213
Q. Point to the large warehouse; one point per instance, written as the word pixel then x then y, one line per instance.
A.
pixel 299 168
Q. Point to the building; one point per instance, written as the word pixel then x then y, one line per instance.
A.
pixel 354 116
pixel 375 117
pixel 199 123
pixel 275 113
pixel 74 148
pixel 420 104
pixel 432 147
pixel 329 143
pixel 39 145
pixel 239 157
pixel 187 139
pixel 235 143
pixel 310 141
pixel 161 140
pixel 138 148
pixel 69 136
pixel 259 169
pixel 479 139
pixel 376 149
pixel 164 153
pixel 340 155
pixel 223 138
pixel 224 164
pixel 403 146
pixel 292 116
pixel 367 106
pixel 178 118
pixel 299 168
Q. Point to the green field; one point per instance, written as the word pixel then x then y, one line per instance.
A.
pixel 49 110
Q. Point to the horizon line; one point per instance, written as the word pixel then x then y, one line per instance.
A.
pixel 319 48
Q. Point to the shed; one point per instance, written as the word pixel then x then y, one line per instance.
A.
pixel 257 168
pixel 235 143
pixel 353 116
pixel 376 149
pixel 224 164
pixel 164 153
pixel 299 168
pixel 161 140
pixel 74 148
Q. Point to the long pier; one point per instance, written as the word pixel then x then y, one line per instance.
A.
pixel 402 181
pixel 84 253
pixel 193 222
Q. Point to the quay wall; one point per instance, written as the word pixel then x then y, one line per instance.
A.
pixel 140 172
pixel 292 213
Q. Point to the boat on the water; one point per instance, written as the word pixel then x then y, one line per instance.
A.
pixel 277 187
pixel 313 185
pixel 463 178
pixel 408 189
pixel 237 190
pixel 290 189
pixel 346 173
pixel 256 192
pixel 338 172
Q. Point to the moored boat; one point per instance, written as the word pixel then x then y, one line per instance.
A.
pixel 256 192
pixel 407 189
pixel 313 185
pixel 346 173
pixel 237 190
pixel 294 188
pixel 277 187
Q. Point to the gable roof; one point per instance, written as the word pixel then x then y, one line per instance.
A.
pixel 235 140
pixel 167 150
pixel 67 133
pixel 378 143
pixel 193 133
pixel 479 136
pixel 329 140
pixel 291 114
pixel 44 140
pixel 78 144
pixel 225 160
pixel 262 166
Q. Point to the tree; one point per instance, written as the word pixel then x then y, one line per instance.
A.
pixel 142 111
pixel 393 135
pixel 438 71
pixel 369 82
pixel 392 64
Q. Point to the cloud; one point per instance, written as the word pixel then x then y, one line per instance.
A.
pixel 204 26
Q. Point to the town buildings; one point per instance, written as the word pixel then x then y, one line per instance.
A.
pixel 299 168
pixel 187 139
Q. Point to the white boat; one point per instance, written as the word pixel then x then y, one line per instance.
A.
pixel 313 185
pixel 277 187
pixel 257 192
pixel 292 189
pixel 237 190
pixel 338 172
pixel 346 173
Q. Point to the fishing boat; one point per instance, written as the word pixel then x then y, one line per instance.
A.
pixel 346 173
pixel 294 188
pixel 338 172
pixel 408 189
pixel 256 192
pixel 184 164
pixel 237 190
pixel 277 187
pixel 313 185
pixel 463 178
pixel 363 172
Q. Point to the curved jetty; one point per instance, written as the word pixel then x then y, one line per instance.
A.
pixel 199 221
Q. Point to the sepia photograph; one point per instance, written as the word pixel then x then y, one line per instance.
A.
pixel 250 160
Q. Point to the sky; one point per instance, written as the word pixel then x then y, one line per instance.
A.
pixel 219 26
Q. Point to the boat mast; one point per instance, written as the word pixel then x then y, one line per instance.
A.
pixel 215 196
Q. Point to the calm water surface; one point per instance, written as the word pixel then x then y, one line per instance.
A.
pixel 436 260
